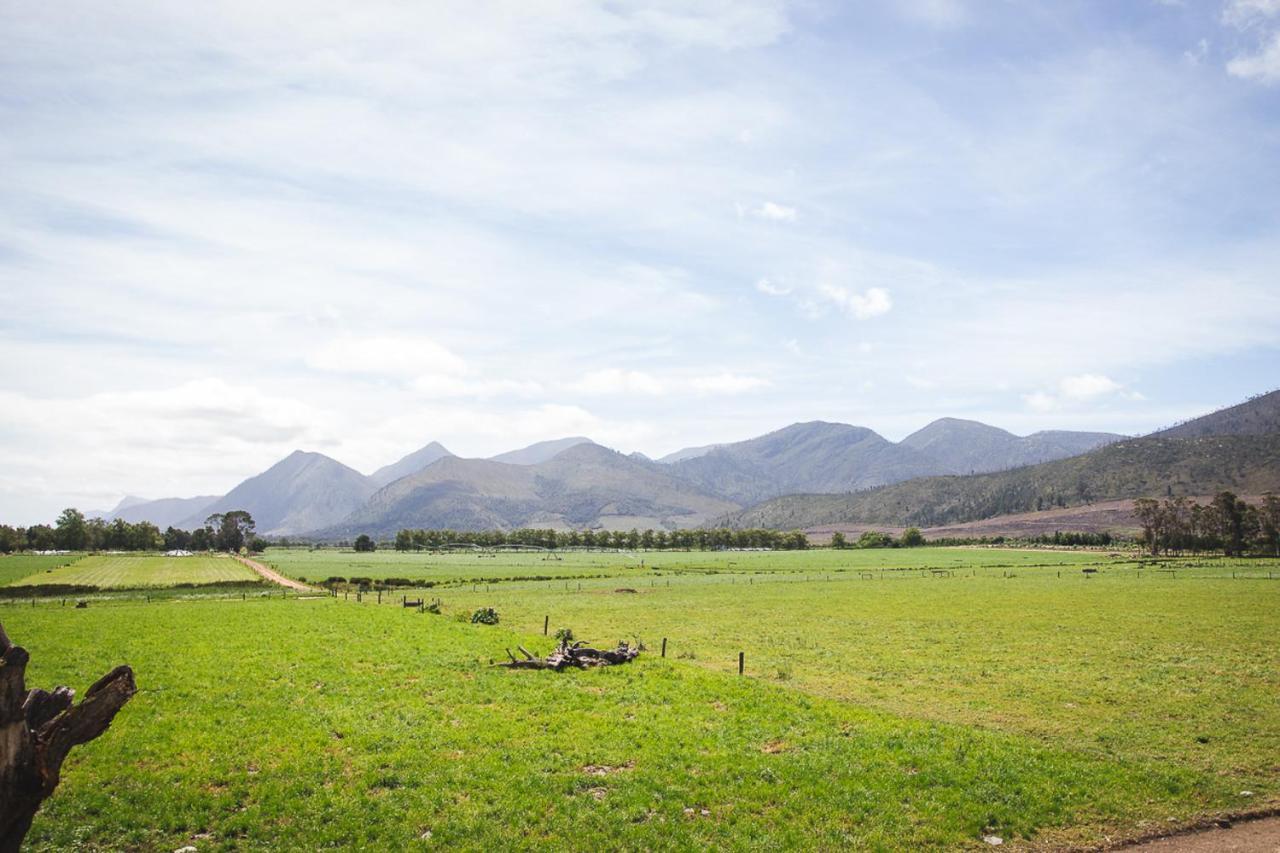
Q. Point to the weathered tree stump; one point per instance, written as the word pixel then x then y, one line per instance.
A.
pixel 38 730
pixel 572 654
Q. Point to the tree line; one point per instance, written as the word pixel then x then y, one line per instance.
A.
pixel 229 531
pixel 631 540
pixel 1228 524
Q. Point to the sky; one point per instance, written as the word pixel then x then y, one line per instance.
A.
pixel 229 230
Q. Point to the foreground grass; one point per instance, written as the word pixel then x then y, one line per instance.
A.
pixel 138 571
pixel 319 723
pixel 1157 667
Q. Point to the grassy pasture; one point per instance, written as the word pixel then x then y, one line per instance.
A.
pixel 15 567
pixel 899 711
pixel 140 571
pixel 359 725
pixel 474 566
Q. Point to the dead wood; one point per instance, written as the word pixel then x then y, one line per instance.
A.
pixel 38 728
pixel 574 655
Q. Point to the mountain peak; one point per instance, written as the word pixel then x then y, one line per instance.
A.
pixel 411 463
pixel 541 451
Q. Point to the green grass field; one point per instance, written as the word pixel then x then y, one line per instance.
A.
pixel 14 567
pixel 903 711
pixel 140 571
pixel 477 566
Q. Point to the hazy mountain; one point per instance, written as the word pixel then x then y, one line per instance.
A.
pixel 165 512
pixel 303 491
pixel 808 457
pixel 1258 416
pixel 540 452
pixel 1154 466
pixel 965 447
pixel 124 503
pixel 584 486
pixel 688 453
pixel 411 464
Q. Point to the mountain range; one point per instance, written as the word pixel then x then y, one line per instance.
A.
pixel 802 475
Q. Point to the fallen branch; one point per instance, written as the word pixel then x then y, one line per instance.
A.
pixel 37 731
pixel 572 655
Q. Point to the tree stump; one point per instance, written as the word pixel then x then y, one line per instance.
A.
pixel 38 730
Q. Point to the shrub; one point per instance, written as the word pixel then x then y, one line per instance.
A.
pixel 485 616
pixel 564 635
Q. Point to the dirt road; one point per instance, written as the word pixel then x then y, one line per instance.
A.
pixel 1249 836
pixel 275 577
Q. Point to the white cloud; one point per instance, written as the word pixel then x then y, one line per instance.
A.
pixel 1078 390
pixel 776 212
pixel 727 383
pixel 943 14
pixel 1263 66
pixel 612 380
pixel 1246 13
pixel 1087 385
pixel 872 302
pixel 769 288
pixel 383 355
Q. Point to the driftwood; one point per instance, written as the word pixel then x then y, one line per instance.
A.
pixel 38 729
pixel 572 654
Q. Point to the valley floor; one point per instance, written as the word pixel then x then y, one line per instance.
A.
pixel 892 700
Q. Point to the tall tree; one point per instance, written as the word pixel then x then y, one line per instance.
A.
pixel 71 532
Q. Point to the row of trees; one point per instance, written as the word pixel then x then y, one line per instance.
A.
pixel 229 531
pixel 632 540
pixel 910 538
pixel 1228 524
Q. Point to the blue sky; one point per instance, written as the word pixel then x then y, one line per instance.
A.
pixel 233 230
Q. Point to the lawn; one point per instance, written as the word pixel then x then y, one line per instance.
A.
pixel 359 725
pixel 139 571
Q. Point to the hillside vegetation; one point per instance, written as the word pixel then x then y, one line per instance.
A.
pixel 1154 466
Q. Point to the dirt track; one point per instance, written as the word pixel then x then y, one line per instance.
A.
pixel 1253 836
pixel 274 576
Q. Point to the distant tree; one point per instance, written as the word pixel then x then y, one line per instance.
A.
pixel 12 539
pixel 257 544
pixel 875 539
pixel 1269 516
pixel 1232 524
pixel 201 539
pixel 838 540
pixel 364 543
pixel 176 540
pixel 72 533
pixel 229 531
pixel 41 537
pixel 911 538
pixel 1151 518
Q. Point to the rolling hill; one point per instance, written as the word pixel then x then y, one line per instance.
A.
pixel 584 486
pixel 1258 416
pixel 165 512
pixel 969 447
pixel 1152 466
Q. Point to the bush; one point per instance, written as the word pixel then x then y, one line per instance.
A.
pixel 485 616
pixel 564 635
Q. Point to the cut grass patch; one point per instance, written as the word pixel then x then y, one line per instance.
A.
pixel 140 571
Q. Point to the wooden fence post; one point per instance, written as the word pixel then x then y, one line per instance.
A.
pixel 546 623
pixel 741 661
pixel 664 647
